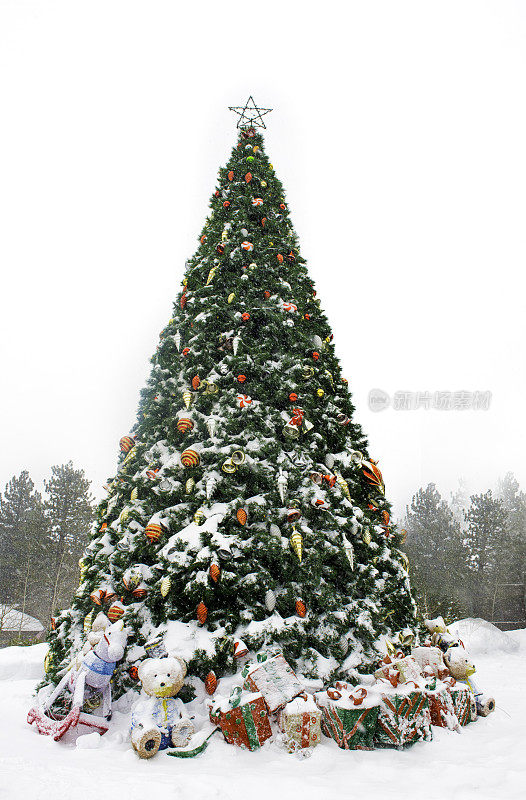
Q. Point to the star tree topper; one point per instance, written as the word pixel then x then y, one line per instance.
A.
pixel 250 116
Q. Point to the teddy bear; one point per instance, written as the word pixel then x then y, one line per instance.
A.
pixel 462 668
pixel 158 718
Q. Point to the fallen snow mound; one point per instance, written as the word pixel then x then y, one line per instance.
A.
pixel 480 636
pixel 23 663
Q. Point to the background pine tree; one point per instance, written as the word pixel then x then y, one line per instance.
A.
pixel 246 503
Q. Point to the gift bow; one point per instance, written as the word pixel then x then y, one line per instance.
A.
pixel 297 417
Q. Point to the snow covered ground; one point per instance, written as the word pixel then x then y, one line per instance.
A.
pixel 487 760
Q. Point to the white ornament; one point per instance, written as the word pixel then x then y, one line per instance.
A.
pixel 282 484
pixel 211 424
pixel 275 531
pixel 235 344
pixel 270 600
pixel 177 340
pixel 349 551
pixel 317 342
pixel 329 460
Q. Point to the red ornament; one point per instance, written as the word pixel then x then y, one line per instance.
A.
pixel 226 203
pixel 214 572
pixel 210 682
pixel 196 382
pixel 241 378
pixel 245 317
pixel 184 425
pixel 280 258
pixel 153 532
pixel 242 516
pixel 315 355
pixel 230 176
pixel 216 193
pixel 282 206
pixel 263 220
pixel 220 249
pixel 203 239
pixel 133 672
pixel 301 608
pixel 202 613
pixel 266 294
pixel 307 316
pixel 140 592
pixel 293 397
pixel 248 177
pixel 186 350
pixel 126 443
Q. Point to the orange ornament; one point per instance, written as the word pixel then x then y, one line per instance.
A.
pixel 103 526
pixel 280 258
pixel 185 351
pixel 245 317
pixel 226 203
pixel 202 613
pixel 266 294
pixel 230 176
pixel 203 239
pixel 184 425
pixel 153 532
pixel 241 378
pixel 307 316
pixel 241 515
pixel 263 220
pixel 301 608
pixel 196 382
pixel 293 397
pixel 214 572
pixel 282 206
pixel 248 177
pixel 211 682
pixel 315 355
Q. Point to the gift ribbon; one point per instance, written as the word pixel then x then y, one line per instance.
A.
pixel 359 696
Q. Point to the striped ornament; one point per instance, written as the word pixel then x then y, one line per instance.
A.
pixel 152 473
pixel 248 246
pixel 134 494
pixel 153 532
pixel 88 622
pixel 196 382
pixel 210 682
pixel 301 608
pixel 190 458
pixel 202 613
pixel 126 444
pixel 270 600
pixel 257 201
pixel 214 572
pixel 187 398
pixel 242 516
pixel 115 611
pixel 296 542
pixel 243 400
pixel 184 425
pixel 166 585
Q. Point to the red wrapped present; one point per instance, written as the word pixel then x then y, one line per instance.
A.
pixel 441 706
pixel 397 669
pixel 404 716
pixel 275 679
pixel 349 715
pixel 300 722
pixel 243 719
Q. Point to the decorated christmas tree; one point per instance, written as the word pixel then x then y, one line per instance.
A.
pixel 246 510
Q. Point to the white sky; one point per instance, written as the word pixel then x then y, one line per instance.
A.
pixel 399 133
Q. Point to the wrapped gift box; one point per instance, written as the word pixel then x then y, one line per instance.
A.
pixel 275 679
pixel 441 706
pixel 349 715
pixel 463 703
pixel 430 659
pixel 399 670
pixel 244 720
pixel 300 722
pixel 404 717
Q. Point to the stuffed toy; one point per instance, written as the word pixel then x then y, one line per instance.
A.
pixel 158 718
pixel 462 668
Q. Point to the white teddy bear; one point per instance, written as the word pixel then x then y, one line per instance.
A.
pixel 158 718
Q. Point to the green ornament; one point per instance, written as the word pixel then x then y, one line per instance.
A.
pixel 250 158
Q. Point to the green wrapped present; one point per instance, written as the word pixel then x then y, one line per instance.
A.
pixel 404 717
pixel 349 715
